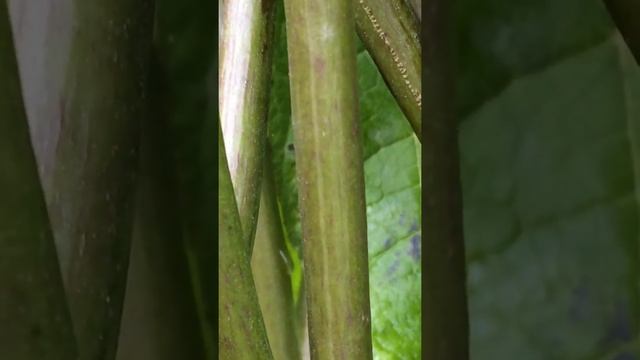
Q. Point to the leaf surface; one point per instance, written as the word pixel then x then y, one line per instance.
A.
pixel 550 181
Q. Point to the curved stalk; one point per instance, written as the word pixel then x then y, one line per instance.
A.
pixel 391 34
pixel 96 162
pixel 446 330
pixel 271 277
pixel 244 79
pixel 34 318
pixel 329 166
pixel 626 15
pixel 242 334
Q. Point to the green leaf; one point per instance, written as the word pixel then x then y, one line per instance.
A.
pixel 501 40
pixel 551 184
pixel 392 178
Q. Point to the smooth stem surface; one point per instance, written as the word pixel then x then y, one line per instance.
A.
pixel 96 161
pixel 271 277
pixel 34 320
pixel 391 34
pixel 329 166
pixel 626 15
pixel 242 334
pixel 244 88
pixel 446 330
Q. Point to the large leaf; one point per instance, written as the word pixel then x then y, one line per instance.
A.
pixel 550 180
pixel 500 40
pixel 392 179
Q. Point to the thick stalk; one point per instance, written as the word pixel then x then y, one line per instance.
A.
pixel 626 15
pixel 96 161
pixel 184 100
pixel 244 88
pixel 391 34
pixel 34 320
pixel 242 334
pixel 273 284
pixel 446 329
pixel 159 318
pixel 329 166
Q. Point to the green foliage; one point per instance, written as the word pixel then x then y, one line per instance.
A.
pixel 550 162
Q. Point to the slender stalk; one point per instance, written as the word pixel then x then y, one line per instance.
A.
pixel 159 318
pixel 33 311
pixel 329 166
pixel 271 277
pixel 96 161
pixel 446 329
pixel 242 333
pixel 390 32
pixel 185 103
pixel 626 15
pixel 245 71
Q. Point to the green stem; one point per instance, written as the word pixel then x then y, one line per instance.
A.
pixel 186 108
pixel 391 34
pixel 446 330
pixel 159 318
pixel 626 15
pixel 329 166
pixel 244 88
pixel 96 162
pixel 242 333
pixel 34 318
pixel 271 277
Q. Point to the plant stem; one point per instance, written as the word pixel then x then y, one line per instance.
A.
pixel 159 318
pixel 96 162
pixel 186 107
pixel 329 166
pixel 242 334
pixel 446 330
pixel 271 278
pixel 244 88
pixel 626 15
pixel 417 8
pixel 33 310
pixel 389 31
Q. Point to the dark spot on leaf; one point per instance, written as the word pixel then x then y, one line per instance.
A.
pixel 290 147
pixel 387 243
pixel 414 251
pixel 580 303
pixel 392 269
pixel 620 328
